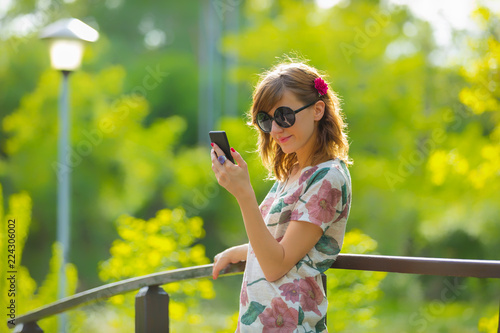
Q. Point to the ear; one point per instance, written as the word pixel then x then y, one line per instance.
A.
pixel 319 110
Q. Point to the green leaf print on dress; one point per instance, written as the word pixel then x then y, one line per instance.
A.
pixel 324 265
pixel 301 315
pixel 327 245
pixel 274 188
pixel 317 177
pixel 320 326
pixel 344 195
pixel 254 310
pixel 278 208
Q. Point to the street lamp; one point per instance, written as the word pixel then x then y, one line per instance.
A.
pixel 67 37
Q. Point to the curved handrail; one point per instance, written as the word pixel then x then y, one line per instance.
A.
pixel 124 286
pixel 390 264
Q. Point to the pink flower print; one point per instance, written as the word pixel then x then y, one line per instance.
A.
pixel 306 174
pixel 291 291
pixel 311 295
pixel 321 206
pixel 291 199
pixel 279 318
pixel 296 215
pixel 266 206
pixel 244 295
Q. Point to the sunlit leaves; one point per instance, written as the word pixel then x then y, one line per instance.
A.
pixel 488 324
pixel 166 241
pixel 352 295
pixel 29 295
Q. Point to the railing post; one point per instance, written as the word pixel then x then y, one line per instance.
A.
pixel 31 327
pixel 151 310
pixel 498 328
pixel 323 279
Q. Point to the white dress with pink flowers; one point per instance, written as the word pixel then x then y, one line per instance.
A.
pixel 296 302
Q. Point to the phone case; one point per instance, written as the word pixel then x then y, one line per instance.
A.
pixel 220 138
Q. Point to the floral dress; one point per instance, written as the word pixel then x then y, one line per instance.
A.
pixel 296 302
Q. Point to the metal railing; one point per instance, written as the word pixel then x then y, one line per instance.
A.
pixel 151 306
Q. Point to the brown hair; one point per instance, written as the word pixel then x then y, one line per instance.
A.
pixel 298 78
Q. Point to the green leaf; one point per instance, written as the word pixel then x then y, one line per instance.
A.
pixel 285 217
pixel 274 188
pixel 254 310
pixel 320 326
pixel 327 245
pixel 254 282
pixel 278 208
pixel 344 167
pixel 344 194
pixel 324 265
pixel 316 177
pixel 301 315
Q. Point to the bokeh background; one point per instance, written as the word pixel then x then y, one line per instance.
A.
pixel 419 83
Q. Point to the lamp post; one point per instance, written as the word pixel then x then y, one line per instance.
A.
pixel 67 37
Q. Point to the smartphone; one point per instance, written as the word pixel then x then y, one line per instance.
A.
pixel 220 138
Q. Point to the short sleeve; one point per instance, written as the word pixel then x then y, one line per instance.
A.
pixel 323 200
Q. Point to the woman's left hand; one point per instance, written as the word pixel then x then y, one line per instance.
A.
pixel 233 177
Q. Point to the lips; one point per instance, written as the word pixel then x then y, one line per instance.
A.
pixel 285 139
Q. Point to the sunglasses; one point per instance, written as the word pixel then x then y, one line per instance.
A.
pixel 284 117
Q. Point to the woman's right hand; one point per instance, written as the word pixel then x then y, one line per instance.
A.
pixel 232 255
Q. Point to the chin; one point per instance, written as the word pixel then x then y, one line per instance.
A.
pixel 287 150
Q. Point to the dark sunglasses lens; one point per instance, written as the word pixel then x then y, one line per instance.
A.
pixel 284 116
pixel 264 122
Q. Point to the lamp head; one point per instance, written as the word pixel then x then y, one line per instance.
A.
pixel 67 38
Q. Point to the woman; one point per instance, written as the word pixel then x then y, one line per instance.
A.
pixel 297 232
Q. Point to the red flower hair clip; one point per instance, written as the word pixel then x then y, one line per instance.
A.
pixel 320 86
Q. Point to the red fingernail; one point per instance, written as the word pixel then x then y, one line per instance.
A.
pixel 232 149
pixel 212 144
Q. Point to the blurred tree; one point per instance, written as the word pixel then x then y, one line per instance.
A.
pixel 353 305
pixel 393 96
pixel 137 35
pixel 166 241
pixel 157 44
pixel 488 325
pixel 118 164
pixel 27 294
pixel 424 134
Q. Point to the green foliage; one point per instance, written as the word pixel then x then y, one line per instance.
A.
pixel 488 324
pixel 353 295
pixel 164 242
pixel 28 295
pixel 424 137
pixel 135 161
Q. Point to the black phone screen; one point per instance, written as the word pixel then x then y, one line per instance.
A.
pixel 220 138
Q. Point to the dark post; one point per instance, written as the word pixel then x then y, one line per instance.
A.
pixel 151 310
pixel 498 329
pixel 323 279
pixel 31 327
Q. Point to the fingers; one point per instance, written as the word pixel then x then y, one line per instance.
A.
pixel 218 151
pixel 217 167
pixel 213 155
pixel 237 158
pixel 220 262
pixel 215 270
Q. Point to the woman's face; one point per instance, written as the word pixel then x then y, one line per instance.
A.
pixel 298 138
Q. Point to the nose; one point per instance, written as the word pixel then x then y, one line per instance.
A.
pixel 275 128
